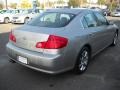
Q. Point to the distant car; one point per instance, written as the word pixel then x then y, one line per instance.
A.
pixel 26 16
pixel 6 17
pixel 61 39
pixel 116 13
pixel 106 12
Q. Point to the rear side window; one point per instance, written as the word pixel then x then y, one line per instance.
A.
pixel 84 23
pixel 102 20
pixel 91 21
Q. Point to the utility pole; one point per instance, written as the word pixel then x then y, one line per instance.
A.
pixel 6 4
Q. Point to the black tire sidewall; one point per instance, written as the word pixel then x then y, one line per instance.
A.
pixel 76 69
pixel 7 20
pixel 26 20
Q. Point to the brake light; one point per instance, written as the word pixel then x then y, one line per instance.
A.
pixel 12 37
pixel 53 42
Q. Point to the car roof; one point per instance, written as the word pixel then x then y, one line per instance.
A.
pixel 72 11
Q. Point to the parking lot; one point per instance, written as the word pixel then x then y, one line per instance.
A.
pixel 103 72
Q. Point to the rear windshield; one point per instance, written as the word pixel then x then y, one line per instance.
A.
pixel 52 19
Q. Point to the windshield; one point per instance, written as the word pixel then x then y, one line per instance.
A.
pixel 51 19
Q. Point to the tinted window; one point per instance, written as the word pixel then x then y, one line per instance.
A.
pixel 102 20
pixel 84 23
pixel 53 20
pixel 91 22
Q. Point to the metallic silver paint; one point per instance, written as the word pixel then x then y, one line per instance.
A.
pixel 59 60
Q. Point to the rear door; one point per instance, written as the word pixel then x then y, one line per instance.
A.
pixel 95 33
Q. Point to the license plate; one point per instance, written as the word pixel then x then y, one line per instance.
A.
pixel 22 59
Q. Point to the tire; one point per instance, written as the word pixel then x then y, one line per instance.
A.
pixel 26 20
pixel 115 39
pixel 82 61
pixel 6 20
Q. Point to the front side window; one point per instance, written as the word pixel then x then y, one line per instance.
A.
pixel 102 20
pixel 91 22
pixel 52 19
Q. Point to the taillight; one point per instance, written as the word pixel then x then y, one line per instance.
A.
pixel 12 37
pixel 53 42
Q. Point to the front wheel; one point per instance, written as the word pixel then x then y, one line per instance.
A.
pixel 26 20
pixel 6 20
pixel 82 61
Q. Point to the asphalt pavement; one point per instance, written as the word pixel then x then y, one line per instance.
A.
pixel 103 72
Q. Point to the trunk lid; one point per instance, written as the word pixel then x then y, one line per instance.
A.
pixel 28 36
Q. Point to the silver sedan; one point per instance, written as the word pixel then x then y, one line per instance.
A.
pixel 61 39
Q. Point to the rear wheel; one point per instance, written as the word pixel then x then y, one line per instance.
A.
pixel 82 61
pixel 6 20
pixel 115 39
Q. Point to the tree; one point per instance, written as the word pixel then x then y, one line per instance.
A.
pixel 38 3
pixel 60 1
pixel 1 6
pixel 84 1
pixel 73 3
pixel 13 5
pixel 25 4
pixel 101 2
pixel 113 5
pixel 76 3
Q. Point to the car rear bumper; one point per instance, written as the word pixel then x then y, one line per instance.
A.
pixel 52 64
